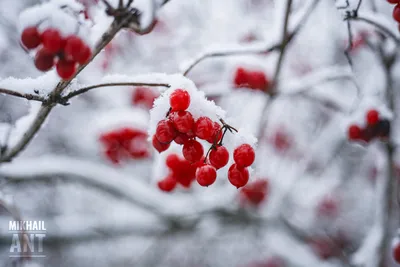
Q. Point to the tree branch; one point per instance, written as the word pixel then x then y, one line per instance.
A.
pixel 88 88
pixel 26 96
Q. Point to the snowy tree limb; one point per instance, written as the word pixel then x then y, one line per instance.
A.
pixel 18 94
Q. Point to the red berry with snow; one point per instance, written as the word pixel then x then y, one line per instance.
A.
pixel 66 69
pixel 219 157
pixel 144 96
pixel 240 77
pixel 192 151
pixel 206 175
pixel 354 132
pixel 44 60
pixel 372 117
pixel 85 55
pixel 182 120
pixel 52 40
pixel 31 38
pixel 160 147
pixel 167 184
pixel 238 176
pixel 204 128
pixel 244 155
pixel 165 131
pixel 179 100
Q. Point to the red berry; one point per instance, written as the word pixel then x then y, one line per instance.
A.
pixel 354 132
pixel 257 80
pixel 112 155
pixel 31 38
pixel 181 138
pixel 372 117
pixel 192 151
pixel 167 184
pixel 238 176
pixel 173 161
pixel 85 55
pixel 160 147
pixel 216 137
pixel 219 157
pixel 393 1
pixel 73 48
pixel 255 192
pixel 52 40
pixel 165 131
pixel 66 69
pixel 204 128
pixel 244 155
pixel 138 147
pixel 396 252
pixel 206 175
pixel 44 60
pixel 182 120
pixel 144 96
pixel 396 13
pixel 240 77
pixel 179 100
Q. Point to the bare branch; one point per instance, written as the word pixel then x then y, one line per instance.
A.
pixel 26 96
pixel 86 89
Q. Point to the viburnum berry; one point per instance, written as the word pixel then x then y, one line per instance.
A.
pixel 144 96
pixel 238 176
pixel 244 155
pixel 181 138
pixel 396 13
pixel 372 117
pixel 173 161
pixel 354 132
pixel 167 184
pixel 240 77
pixel 31 38
pixel 66 69
pixel 206 175
pixel 255 192
pixel 165 131
pixel 219 157
pixel 257 80
pixel 396 251
pixel 179 100
pixel 216 137
pixel 182 120
pixel 192 151
pixel 44 60
pixel 138 148
pixel 52 40
pixel 85 55
pixel 73 48
pixel 160 147
pixel 204 128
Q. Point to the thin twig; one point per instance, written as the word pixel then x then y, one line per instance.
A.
pixel 285 43
pixel 26 96
pixel 88 88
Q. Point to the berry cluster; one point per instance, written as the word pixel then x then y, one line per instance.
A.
pixel 180 127
pixel 255 192
pixel 144 96
pixel 396 10
pixel 125 143
pixel 255 80
pixel 65 53
pixel 181 171
pixel 376 127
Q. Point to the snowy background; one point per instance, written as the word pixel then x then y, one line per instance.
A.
pixel 104 214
